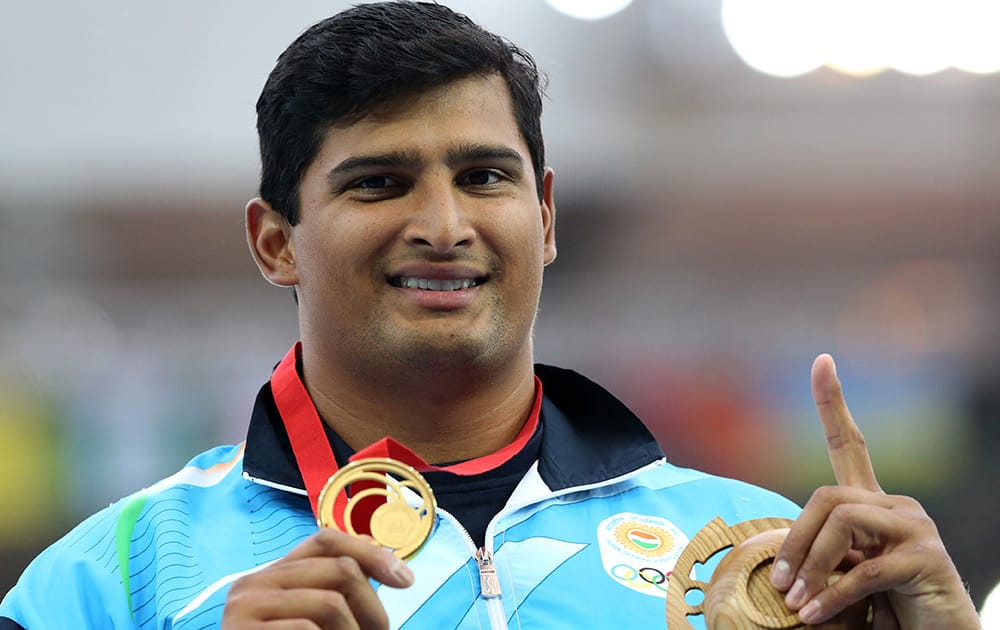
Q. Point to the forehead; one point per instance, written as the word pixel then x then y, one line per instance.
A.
pixel 476 109
pixel 475 92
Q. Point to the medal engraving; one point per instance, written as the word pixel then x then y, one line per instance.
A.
pixel 394 524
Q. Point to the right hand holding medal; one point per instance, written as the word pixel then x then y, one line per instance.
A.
pixel 325 580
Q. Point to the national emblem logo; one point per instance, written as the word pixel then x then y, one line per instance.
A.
pixel 639 551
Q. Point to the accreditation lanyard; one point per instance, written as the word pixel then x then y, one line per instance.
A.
pixel 314 455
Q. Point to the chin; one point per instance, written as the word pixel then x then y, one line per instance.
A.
pixel 451 354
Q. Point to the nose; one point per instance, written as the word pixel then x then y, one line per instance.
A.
pixel 439 221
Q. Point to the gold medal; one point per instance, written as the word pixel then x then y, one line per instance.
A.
pixel 394 524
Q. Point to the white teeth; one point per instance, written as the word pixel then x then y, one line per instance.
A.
pixel 433 284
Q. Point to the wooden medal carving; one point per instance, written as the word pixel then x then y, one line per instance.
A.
pixel 740 596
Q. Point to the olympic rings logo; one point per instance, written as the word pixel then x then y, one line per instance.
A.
pixel 645 577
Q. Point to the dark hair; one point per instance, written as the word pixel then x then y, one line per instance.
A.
pixel 370 55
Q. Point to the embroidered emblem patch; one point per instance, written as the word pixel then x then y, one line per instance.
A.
pixel 639 551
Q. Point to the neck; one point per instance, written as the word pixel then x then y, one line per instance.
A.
pixel 443 415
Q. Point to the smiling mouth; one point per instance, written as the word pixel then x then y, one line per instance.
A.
pixel 436 284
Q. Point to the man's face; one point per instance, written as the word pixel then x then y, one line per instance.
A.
pixel 421 239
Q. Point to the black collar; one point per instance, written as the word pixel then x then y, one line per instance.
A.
pixel 589 436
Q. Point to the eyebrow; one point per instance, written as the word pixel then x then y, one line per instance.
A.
pixel 406 159
pixel 474 152
pixel 411 159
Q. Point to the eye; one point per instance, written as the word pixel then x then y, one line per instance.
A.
pixel 376 187
pixel 482 177
pixel 377 182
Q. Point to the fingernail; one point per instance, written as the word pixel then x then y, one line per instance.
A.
pixel 797 594
pixel 401 572
pixel 781 574
pixel 810 612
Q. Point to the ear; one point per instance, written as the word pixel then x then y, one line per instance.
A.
pixel 270 238
pixel 548 207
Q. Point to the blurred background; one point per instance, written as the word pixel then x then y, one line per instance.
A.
pixel 740 186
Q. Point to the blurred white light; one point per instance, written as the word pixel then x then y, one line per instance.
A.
pixel 862 37
pixel 855 36
pixel 918 37
pixel 989 614
pixel 589 9
pixel 976 47
pixel 777 37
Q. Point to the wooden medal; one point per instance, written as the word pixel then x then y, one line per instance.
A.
pixel 740 596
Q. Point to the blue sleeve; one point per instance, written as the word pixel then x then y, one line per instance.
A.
pixel 75 583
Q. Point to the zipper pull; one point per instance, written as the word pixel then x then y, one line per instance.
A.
pixel 488 582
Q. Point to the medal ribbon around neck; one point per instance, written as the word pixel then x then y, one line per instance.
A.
pixel 376 506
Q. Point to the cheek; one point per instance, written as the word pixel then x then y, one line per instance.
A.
pixel 517 235
pixel 322 263
pixel 531 250
pixel 342 244
pixel 523 263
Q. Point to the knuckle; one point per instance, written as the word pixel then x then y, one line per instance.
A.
pixel 328 540
pixel 847 439
pixel 335 602
pixel 870 570
pixel 235 590
pixel 825 495
pixel 240 600
pixel 908 504
pixel 845 513
pixel 335 609
pixel 234 598
pixel 349 568
pixel 927 547
pixel 240 586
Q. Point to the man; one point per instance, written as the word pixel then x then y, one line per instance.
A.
pixel 404 196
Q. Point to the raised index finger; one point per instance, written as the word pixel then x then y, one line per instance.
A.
pixel 844 441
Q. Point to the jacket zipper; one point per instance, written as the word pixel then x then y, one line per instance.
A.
pixel 488 582
pixel 489 585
